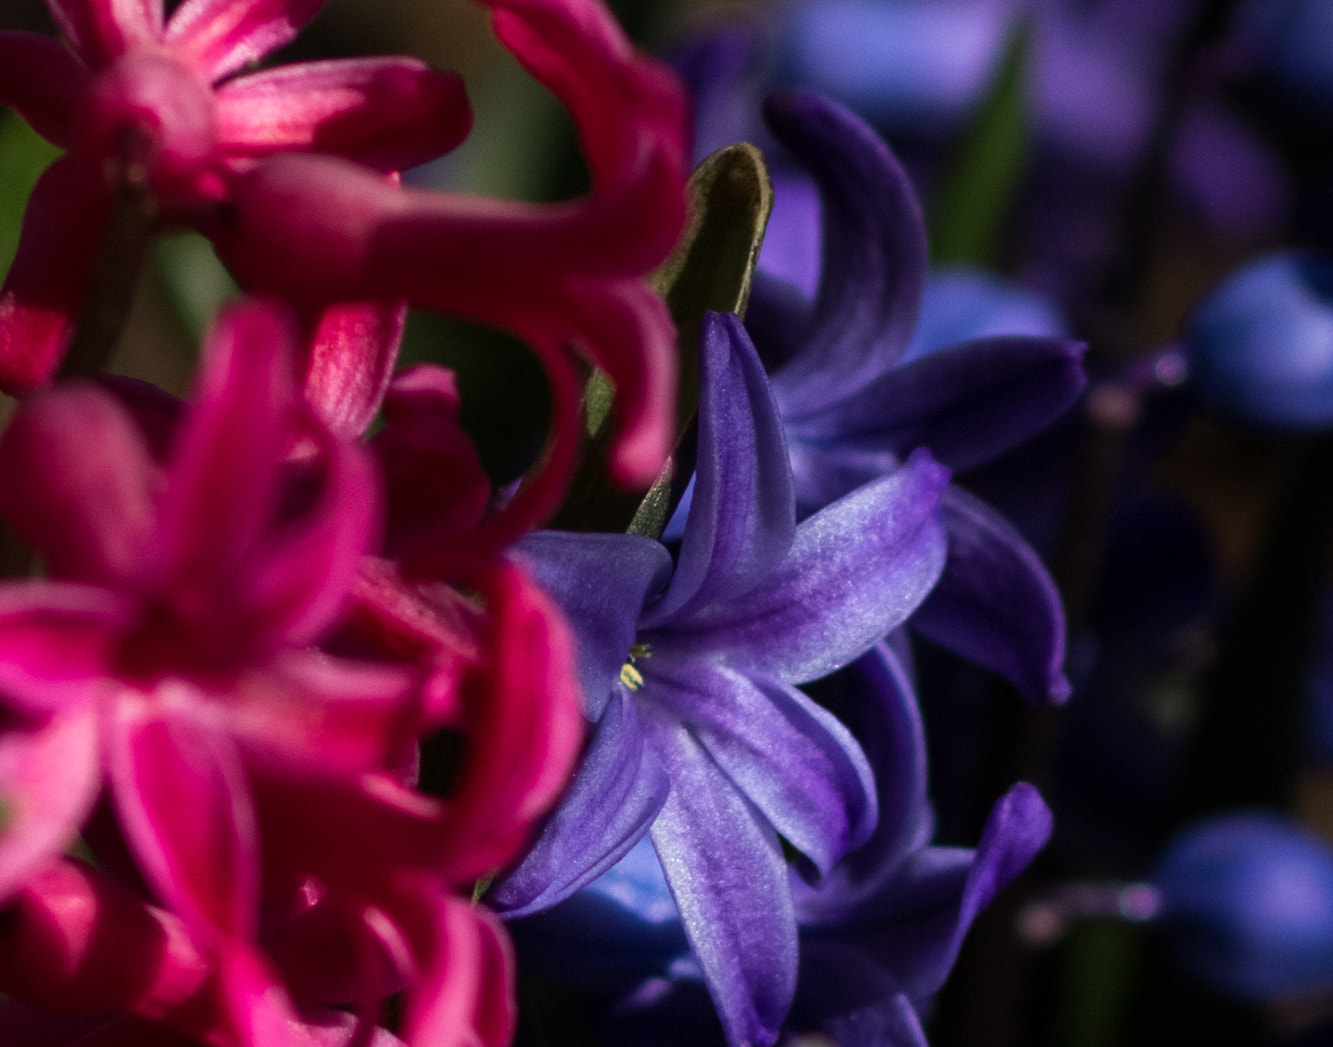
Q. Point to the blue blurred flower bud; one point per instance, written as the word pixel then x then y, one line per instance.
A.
pixel 1261 345
pixel 1247 899
pixel 1290 40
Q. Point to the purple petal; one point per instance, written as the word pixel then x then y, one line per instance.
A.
pixel 950 889
pixel 61 230
pixel 743 514
pixel 616 793
pixel 887 720
pixel 100 31
pixel 224 35
pixel 968 403
pixel 389 113
pixel 995 603
pixel 601 582
pixel 874 261
pixel 792 759
pixel 846 994
pixel 77 482
pixel 855 572
pixel 49 777
pixel 184 804
pixel 726 872
pixel 41 81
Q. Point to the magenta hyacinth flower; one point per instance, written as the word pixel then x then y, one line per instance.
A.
pixel 560 276
pixel 168 652
pixel 164 106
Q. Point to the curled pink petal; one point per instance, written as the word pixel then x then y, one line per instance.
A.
pixel 73 935
pixel 224 35
pixel 102 31
pixel 350 361
pixel 41 81
pixel 390 113
pixel 61 231
pixel 49 777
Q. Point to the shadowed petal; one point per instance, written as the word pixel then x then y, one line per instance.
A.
pixel 856 570
pixel 100 31
pixel 224 35
pixel 968 403
pixel 78 484
pixel 390 113
pixel 185 806
pixel 792 759
pixel 995 602
pixel 616 793
pixel 40 297
pixel 49 776
pixel 742 517
pixel 874 261
pixel 727 874
pixel 41 81
pixel 601 582
pixel 848 996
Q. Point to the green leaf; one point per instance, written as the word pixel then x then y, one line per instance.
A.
pixel 195 280
pixel 978 190
pixel 24 155
pixel 711 270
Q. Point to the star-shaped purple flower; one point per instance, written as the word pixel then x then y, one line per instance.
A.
pixel 689 670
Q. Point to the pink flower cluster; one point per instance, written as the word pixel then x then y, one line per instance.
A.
pixel 249 618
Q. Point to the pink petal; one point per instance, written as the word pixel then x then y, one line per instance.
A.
pixel 525 726
pixel 463 990
pixel 224 35
pixel 100 31
pixel 77 483
pixel 49 778
pixel 57 641
pixel 222 484
pixel 350 362
pixel 390 113
pixel 184 804
pixel 40 297
pixel 41 81
pixel 74 936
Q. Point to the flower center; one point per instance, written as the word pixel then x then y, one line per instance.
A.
pixel 148 120
pixel 629 675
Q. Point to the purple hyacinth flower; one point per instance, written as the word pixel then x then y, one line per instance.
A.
pixel 689 671
pixel 854 404
pixel 878 934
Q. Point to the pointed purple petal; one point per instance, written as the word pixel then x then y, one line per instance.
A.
pixel 49 776
pixel 968 403
pixel 224 35
pixel 389 113
pixel 847 995
pixel 616 793
pixel 855 572
pixel 874 261
pixel 601 582
pixel 100 31
pixel 726 872
pixel 995 603
pixel 184 804
pixel 40 297
pixel 792 759
pixel 41 81
pixel 743 515
pixel 887 720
